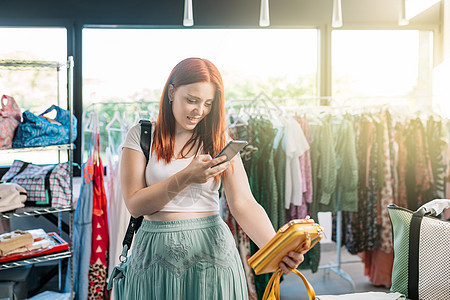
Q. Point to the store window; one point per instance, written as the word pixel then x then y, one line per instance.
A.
pixel 33 90
pixel 382 66
pixel 131 65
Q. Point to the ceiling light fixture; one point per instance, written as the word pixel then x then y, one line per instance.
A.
pixel 188 14
pixel 264 19
pixel 336 20
pixel 402 19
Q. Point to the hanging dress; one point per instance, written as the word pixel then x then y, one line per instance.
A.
pixel 361 230
pixel 402 196
pixel 378 262
pixel 437 143
pixel 98 266
pixel 82 231
pixel 118 214
pixel 260 169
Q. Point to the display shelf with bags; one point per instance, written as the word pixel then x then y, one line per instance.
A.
pixel 55 138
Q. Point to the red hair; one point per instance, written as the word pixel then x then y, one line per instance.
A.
pixel 211 131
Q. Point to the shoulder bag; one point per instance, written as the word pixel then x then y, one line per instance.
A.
pixel 46 185
pixel 421 241
pixel 40 131
pixel 9 120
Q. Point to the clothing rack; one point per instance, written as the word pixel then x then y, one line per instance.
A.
pixel 128 112
pixel 276 104
pixel 316 101
pixel 92 105
pixel 333 266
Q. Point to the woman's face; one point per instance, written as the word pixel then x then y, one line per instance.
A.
pixel 191 103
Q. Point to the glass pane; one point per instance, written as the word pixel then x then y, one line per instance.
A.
pixel 34 89
pixel 132 65
pixel 380 66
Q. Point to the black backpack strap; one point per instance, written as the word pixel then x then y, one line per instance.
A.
pixel 135 223
pixel 146 131
pixel 413 254
pixel 133 226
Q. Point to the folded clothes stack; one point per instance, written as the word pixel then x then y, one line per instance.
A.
pixel 12 196
pixel 40 241
pixel 14 240
pixel 20 241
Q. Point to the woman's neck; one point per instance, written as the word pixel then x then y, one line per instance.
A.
pixel 181 138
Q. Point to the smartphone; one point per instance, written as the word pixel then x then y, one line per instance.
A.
pixel 230 150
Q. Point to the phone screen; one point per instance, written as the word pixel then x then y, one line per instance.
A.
pixel 231 149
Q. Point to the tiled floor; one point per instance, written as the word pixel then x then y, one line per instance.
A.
pixel 326 282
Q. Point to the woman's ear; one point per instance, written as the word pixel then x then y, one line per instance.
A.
pixel 171 93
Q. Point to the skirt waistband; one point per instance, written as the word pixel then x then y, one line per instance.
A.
pixel 178 225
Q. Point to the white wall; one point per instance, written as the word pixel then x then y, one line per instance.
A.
pixel 441 72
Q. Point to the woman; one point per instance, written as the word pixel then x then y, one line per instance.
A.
pixel 184 250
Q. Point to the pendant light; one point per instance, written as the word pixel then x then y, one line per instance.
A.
pixel 264 19
pixel 402 19
pixel 188 14
pixel 336 20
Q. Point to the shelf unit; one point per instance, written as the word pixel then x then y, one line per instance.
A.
pixel 29 211
pixel 26 65
pixel 34 149
pixel 35 260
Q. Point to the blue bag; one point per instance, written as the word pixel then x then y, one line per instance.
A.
pixel 39 131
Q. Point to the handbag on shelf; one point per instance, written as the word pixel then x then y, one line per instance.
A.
pixel 296 235
pixel 46 185
pixel 40 131
pixel 421 241
pixel 9 120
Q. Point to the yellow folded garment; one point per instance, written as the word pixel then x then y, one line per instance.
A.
pixel 13 240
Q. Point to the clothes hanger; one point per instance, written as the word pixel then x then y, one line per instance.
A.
pixel 92 124
pixel 267 100
pixel 140 114
pixel 268 107
pixel 116 118
pixel 238 118
pixel 113 147
pixel 238 121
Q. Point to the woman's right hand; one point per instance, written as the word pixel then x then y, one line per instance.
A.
pixel 203 167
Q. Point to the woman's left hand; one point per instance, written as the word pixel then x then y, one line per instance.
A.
pixel 292 260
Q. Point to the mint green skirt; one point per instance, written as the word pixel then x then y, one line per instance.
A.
pixel 190 259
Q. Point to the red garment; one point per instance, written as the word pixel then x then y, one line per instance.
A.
pixel 378 266
pixel 100 239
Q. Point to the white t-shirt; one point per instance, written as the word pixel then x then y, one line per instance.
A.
pixel 194 198
pixel 296 145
